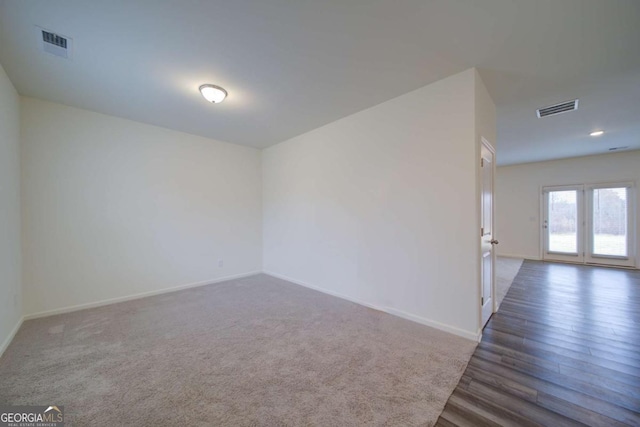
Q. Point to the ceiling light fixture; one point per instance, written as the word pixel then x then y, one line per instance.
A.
pixel 213 93
pixel 597 133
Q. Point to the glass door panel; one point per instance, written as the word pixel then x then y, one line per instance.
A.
pixel 609 225
pixel 563 221
pixel 562 224
pixel 608 213
pixel 590 224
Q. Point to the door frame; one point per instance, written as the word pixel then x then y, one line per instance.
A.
pixel 483 142
pixel 584 222
pixel 618 261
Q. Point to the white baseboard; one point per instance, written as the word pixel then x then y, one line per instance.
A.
pixel 135 296
pixel 324 291
pixel 395 312
pixel 437 325
pixel 7 341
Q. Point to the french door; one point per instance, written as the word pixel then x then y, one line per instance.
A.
pixel 590 224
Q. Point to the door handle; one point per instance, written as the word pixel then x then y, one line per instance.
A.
pixel 494 242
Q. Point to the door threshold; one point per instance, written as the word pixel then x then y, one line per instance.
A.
pixel 591 264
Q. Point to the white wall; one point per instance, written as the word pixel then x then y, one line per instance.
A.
pixel 113 208
pixel 518 190
pixel 485 116
pixel 381 206
pixel 10 257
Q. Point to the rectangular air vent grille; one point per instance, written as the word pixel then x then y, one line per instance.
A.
pixel 54 39
pixel 54 43
pixel 563 107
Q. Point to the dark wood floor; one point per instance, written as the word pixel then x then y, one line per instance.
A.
pixel 562 350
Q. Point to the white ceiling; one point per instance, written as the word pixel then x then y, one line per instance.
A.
pixel 292 66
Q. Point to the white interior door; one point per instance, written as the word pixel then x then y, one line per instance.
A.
pixel 487 241
pixel 590 224
pixel 563 223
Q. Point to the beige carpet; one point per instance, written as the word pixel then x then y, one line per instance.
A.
pixel 506 270
pixel 248 352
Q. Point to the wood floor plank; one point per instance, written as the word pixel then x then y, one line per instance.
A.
pixel 464 381
pixel 529 411
pixel 543 358
pixel 614 317
pixel 571 389
pixel 499 382
pixel 563 349
pixel 566 315
pixel 566 333
pixel 502 352
pixel 443 422
pixel 576 412
pixel 531 329
pixel 490 410
pixel 536 347
pixel 606 378
pixel 451 418
pixel 484 415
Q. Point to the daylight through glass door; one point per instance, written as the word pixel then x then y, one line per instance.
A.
pixel 609 224
pixel 589 224
pixel 563 221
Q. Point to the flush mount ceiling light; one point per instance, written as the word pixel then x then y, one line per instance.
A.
pixel 597 133
pixel 213 93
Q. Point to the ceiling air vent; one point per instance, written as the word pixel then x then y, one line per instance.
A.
pixel 563 107
pixel 54 44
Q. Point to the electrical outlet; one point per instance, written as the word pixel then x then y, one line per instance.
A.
pixel 220 263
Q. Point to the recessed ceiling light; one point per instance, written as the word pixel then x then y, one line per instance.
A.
pixel 213 93
pixel 597 133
